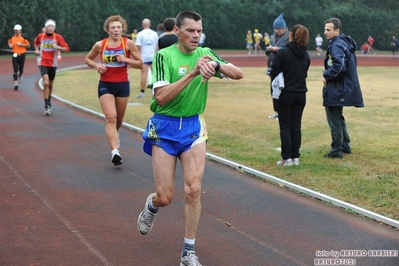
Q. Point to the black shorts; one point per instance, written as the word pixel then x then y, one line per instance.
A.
pixel 118 89
pixel 50 71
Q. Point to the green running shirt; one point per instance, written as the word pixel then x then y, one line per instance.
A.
pixel 170 65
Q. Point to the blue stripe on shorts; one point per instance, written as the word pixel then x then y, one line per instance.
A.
pixel 174 135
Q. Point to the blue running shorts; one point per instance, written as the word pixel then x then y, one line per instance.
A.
pixel 118 89
pixel 174 135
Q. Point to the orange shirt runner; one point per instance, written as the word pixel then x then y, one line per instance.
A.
pixel 15 47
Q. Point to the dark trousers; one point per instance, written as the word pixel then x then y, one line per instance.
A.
pixel 339 133
pixel 290 110
pixel 18 63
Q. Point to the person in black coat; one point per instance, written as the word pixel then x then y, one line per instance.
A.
pixel 293 62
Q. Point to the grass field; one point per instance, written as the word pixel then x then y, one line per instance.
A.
pixel 239 130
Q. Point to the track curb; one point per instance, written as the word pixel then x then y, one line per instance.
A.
pixel 244 169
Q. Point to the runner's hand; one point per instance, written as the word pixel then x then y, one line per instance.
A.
pixel 120 58
pixel 206 68
pixel 101 69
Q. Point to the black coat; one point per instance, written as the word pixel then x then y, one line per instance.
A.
pixel 294 62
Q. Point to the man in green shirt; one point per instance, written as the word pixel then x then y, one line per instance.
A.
pixel 177 130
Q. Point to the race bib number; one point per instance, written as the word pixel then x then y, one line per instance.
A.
pixel 110 59
pixel 47 45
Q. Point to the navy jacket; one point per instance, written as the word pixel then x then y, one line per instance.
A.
pixel 340 63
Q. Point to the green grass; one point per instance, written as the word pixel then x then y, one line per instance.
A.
pixel 29 55
pixel 239 130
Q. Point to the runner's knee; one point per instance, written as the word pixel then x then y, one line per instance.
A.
pixel 110 118
pixel 192 192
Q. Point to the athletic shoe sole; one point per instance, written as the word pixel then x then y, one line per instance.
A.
pixel 116 159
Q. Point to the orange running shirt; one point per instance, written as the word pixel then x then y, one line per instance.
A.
pixel 15 48
pixel 116 71
pixel 48 55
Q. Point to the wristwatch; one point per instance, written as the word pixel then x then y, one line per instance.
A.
pixel 217 66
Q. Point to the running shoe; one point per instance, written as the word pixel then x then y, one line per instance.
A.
pixel 47 110
pixel 116 157
pixel 16 87
pixel 140 95
pixel 146 218
pixel 190 259
pixel 287 162
pixel 295 161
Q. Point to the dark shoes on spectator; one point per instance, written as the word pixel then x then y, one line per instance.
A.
pixel 347 151
pixel 338 154
pixel 333 155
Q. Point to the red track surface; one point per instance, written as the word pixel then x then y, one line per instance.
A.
pixel 62 202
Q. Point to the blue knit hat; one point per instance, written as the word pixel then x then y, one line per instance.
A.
pixel 279 22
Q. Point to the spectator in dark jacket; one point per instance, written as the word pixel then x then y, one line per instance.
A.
pixel 278 40
pixel 341 85
pixel 293 62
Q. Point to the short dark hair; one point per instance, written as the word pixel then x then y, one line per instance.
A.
pixel 160 27
pixel 187 14
pixel 336 22
pixel 169 23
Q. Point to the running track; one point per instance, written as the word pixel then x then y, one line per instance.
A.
pixel 63 203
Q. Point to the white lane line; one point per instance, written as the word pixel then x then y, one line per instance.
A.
pixel 265 176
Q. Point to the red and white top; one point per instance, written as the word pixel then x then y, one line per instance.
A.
pixel 116 71
pixel 48 55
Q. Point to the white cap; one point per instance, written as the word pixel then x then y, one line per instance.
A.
pixel 49 22
pixel 17 27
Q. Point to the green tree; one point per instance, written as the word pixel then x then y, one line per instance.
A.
pixel 224 21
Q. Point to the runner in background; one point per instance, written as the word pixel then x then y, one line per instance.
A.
pixel 116 54
pixel 18 44
pixel 46 47
pixel 257 38
pixel 370 41
pixel 250 42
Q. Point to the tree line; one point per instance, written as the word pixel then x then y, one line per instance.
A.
pixel 225 22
